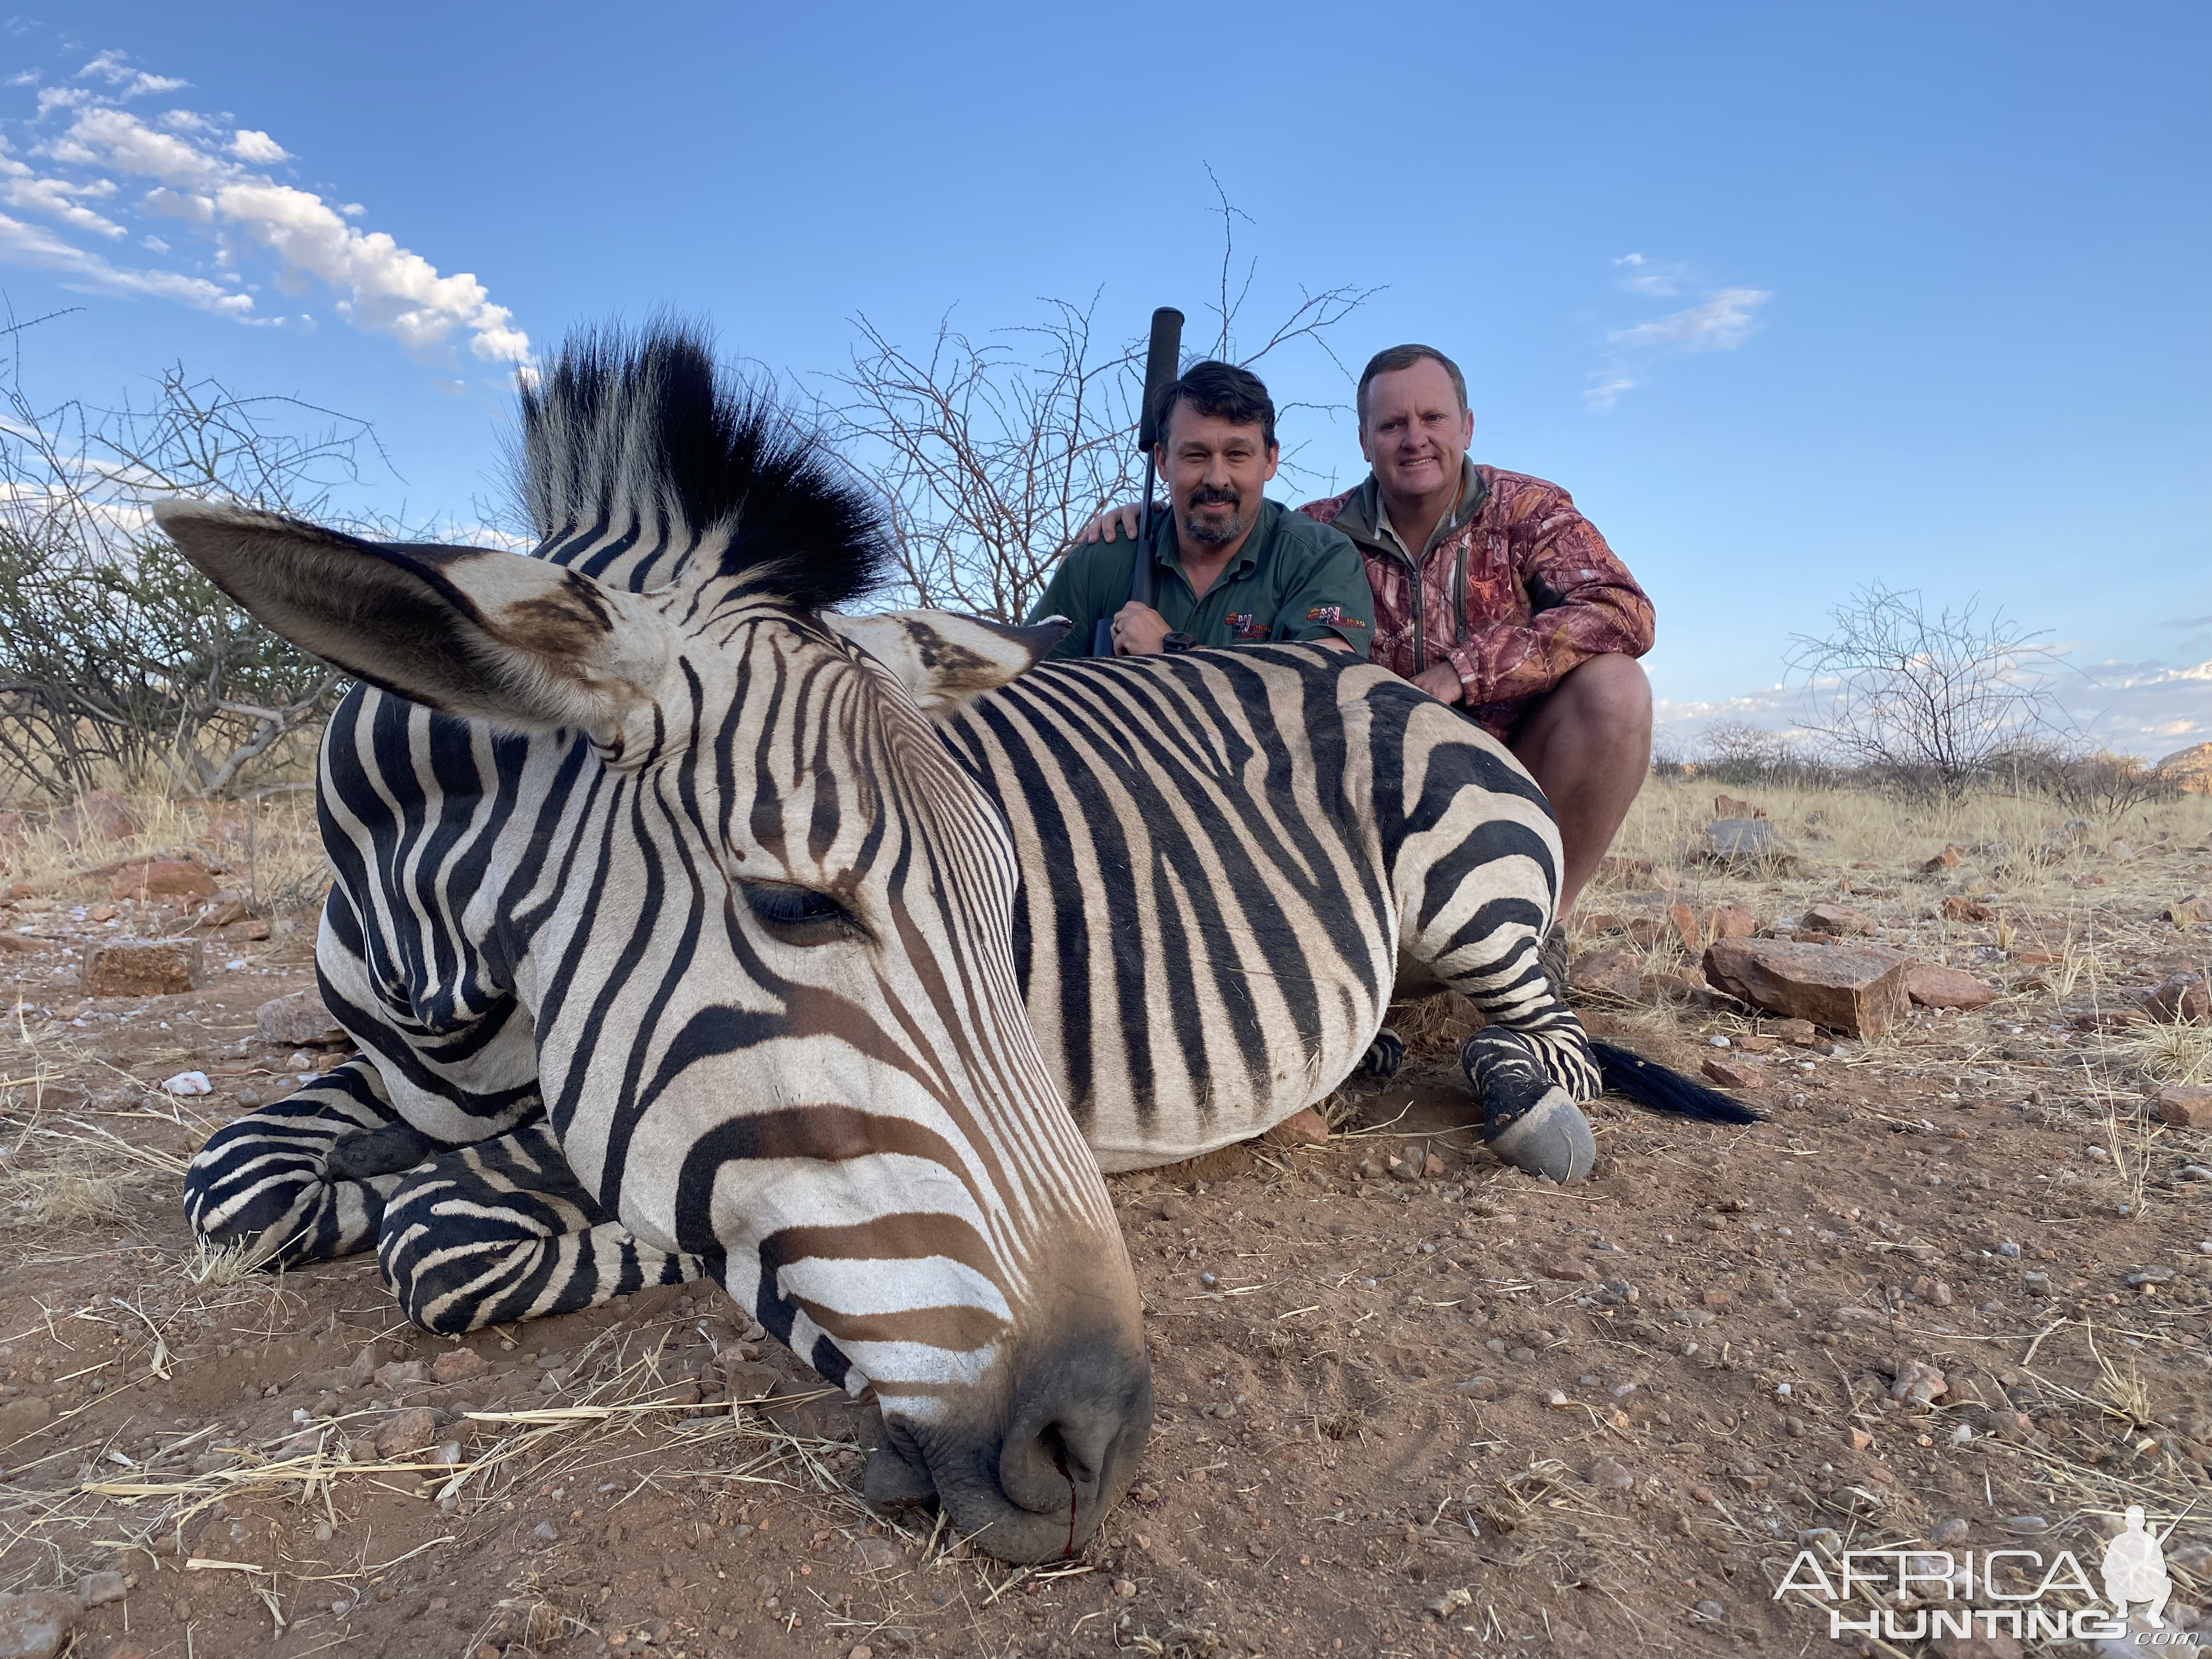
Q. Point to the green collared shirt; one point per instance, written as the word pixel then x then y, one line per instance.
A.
pixel 1292 580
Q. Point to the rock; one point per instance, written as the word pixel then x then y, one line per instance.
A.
pixel 1727 806
pixel 1734 1073
pixel 1946 859
pixel 1570 1271
pixel 1688 929
pixel 1301 1129
pixel 1952 1531
pixel 1947 988
pixel 2181 997
pixel 161 878
pixel 2036 1284
pixel 1477 1388
pixel 1966 909
pixel 1859 1439
pixel 1918 1383
pixel 401 1374
pixel 876 1554
pixel 1614 868
pixel 23 1415
pixel 2180 1108
pixel 1836 919
pixel 97 815
pixel 1858 989
pixel 1744 841
pixel 546 1532
pixel 1797 1033
pixel 1611 1475
pixel 34 1625
pixel 457 1365
pixel 1730 920
pixel 2189 912
pixel 224 911
pixel 406 1432
pixel 1615 973
pixel 298 1020
pixel 188 1082
pixel 143 968
pixel 1711 1611
pixel 20 945
pixel 97 1589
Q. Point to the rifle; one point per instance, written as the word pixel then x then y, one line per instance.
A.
pixel 1159 374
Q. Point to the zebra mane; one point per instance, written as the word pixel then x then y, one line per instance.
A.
pixel 633 445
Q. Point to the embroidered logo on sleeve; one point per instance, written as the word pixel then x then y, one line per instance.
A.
pixel 1334 615
pixel 1244 625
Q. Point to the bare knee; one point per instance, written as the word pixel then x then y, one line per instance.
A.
pixel 1613 690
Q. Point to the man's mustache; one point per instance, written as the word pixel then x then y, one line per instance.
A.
pixel 1207 494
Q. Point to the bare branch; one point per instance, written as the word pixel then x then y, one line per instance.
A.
pixel 1928 700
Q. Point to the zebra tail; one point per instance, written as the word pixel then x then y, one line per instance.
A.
pixel 1652 1085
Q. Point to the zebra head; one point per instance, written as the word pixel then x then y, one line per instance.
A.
pixel 768 957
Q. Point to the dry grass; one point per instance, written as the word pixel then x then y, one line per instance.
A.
pixel 269 848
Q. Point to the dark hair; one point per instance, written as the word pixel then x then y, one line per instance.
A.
pixel 1225 392
pixel 1404 356
pixel 639 427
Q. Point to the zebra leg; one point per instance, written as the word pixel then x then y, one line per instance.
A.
pixel 1531 1064
pixel 305 1179
pixel 503 1231
pixel 1527 1119
pixel 1385 1056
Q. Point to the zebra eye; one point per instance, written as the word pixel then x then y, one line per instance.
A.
pixel 799 914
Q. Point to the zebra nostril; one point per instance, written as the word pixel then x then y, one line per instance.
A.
pixel 1039 1469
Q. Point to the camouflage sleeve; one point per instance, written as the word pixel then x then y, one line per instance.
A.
pixel 1584 602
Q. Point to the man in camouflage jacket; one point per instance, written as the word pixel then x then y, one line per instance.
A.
pixel 1494 594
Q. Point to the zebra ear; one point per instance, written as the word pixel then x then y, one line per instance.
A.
pixel 944 660
pixel 483 634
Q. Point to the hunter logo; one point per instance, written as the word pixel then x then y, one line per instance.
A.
pixel 2135 1569
pixel 1245 625
pixel 1907 1595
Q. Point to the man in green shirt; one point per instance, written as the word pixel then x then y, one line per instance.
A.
pixel 1233 566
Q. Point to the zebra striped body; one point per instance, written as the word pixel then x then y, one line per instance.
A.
pixel 1232 859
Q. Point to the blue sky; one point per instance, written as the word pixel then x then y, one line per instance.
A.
pixel 1790 298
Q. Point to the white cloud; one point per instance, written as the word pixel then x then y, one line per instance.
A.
pixel 1606 391
pixel 125 82
pixel 255 229
pixel 51 199
pixel 40 249
pixel 1641 275
pixel 1721 324
pixel 1723 320
pixel 257 148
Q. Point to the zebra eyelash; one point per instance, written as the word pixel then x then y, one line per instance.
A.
pixel 798 914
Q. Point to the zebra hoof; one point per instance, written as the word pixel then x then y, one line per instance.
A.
pixel 1551 1137
pixel 1385 1055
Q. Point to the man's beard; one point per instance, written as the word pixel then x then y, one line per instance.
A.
pixel 1213 532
